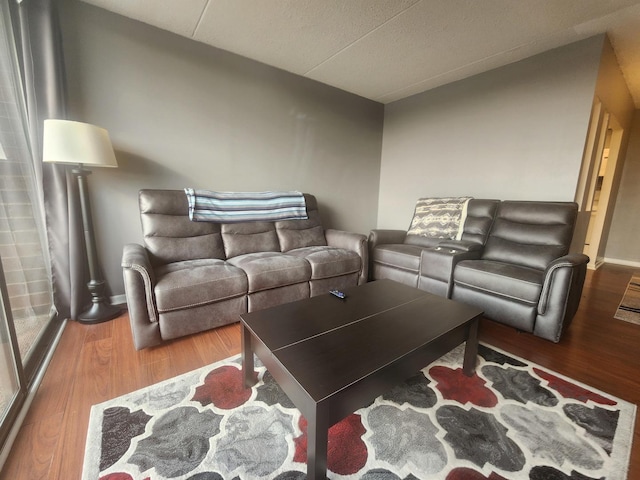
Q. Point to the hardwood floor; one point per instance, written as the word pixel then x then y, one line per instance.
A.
pixel 98 362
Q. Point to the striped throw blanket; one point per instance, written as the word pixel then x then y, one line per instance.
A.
pixel 233 207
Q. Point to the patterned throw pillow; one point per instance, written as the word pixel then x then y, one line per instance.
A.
pixel 439 217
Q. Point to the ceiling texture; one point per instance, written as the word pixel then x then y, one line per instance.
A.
pixel 386 50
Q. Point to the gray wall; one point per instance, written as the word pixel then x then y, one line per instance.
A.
pixel 184 114
pixel 623 241
pixel 517 132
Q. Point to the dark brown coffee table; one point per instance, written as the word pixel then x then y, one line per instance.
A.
pixel 333 356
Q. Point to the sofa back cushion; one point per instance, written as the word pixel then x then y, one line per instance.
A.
pixel 169 235
pixel 249 237
pixel 294 234
pixel 531 234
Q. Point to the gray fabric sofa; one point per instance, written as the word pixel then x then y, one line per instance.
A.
pixel 513 262
pixel 193 276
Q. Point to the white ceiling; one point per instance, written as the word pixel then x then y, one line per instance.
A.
pixel 386 50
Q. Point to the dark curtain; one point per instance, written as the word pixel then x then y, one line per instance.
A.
pixel 39 41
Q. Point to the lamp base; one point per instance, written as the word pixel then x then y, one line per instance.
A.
pixel 99 312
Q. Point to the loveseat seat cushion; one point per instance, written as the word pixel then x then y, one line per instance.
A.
pixel 328 262
pixel 404 256
pixel 514 282
pixel 266 270
pixel 191 283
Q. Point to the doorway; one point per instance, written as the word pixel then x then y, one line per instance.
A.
pixel 596 181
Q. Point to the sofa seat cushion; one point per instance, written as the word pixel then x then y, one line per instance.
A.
pixel 402 256
pixel 267 270
pixel 518 283
pixel 328 262
pixel 191 283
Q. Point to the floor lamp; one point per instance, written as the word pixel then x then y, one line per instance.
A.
pixel 83 144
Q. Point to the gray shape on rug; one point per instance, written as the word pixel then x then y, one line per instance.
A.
pixel 519 385
pixel 255 439
pixel 119 426
pixel 185 427
pixel 401 437
pixel 600 424
pixel 479 437
pixel 548 436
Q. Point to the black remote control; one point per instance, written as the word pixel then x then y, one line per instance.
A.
pixel 338 293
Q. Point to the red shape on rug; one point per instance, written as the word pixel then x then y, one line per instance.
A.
pixel 223 387
pixel 119 476
pixel 571 390
pixel 468 474
pixel 455 385
pixel 346 452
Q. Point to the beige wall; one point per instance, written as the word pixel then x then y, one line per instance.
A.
pixel 612 91
pixel 623 245
pixel 516 132
pixel 184 114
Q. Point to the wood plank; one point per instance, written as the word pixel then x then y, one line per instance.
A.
pixel 91 386
pixel 94 364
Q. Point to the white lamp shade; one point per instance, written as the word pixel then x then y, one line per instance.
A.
pixel 65 141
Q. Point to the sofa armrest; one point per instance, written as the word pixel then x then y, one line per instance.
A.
pixel 560 296
pixel 385 237
pixel 351 241
pixel 139 281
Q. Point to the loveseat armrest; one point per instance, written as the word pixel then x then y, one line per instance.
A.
pixel 139 281
pixel 351 241
pixel 460 245
pixel 437 266
pixel 560 296
pixel 386 237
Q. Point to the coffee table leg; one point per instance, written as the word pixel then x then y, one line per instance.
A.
pixel 247 358
pixel 317 438
pixel 471 349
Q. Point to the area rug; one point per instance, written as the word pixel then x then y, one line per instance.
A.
pixel 629 309
pixel 512 420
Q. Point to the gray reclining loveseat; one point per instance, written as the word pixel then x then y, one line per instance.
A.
pixel 193 276
pixel 512 261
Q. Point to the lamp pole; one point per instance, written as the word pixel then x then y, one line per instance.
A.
pixel 101 310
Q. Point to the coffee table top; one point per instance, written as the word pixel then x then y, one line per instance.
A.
pixel 327 343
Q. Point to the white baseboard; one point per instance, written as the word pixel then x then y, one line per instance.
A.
pixel 618 261
pixel 118 300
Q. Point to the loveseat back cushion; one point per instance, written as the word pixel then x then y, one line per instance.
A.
pixel 531 234
pixel 480 215
pixel 294 234
pixel 169 235
pixel 249 237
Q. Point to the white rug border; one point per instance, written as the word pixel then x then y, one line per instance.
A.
pixel 620 457
pixel 626 421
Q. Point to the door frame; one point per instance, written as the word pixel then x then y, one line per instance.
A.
pixel 601 121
